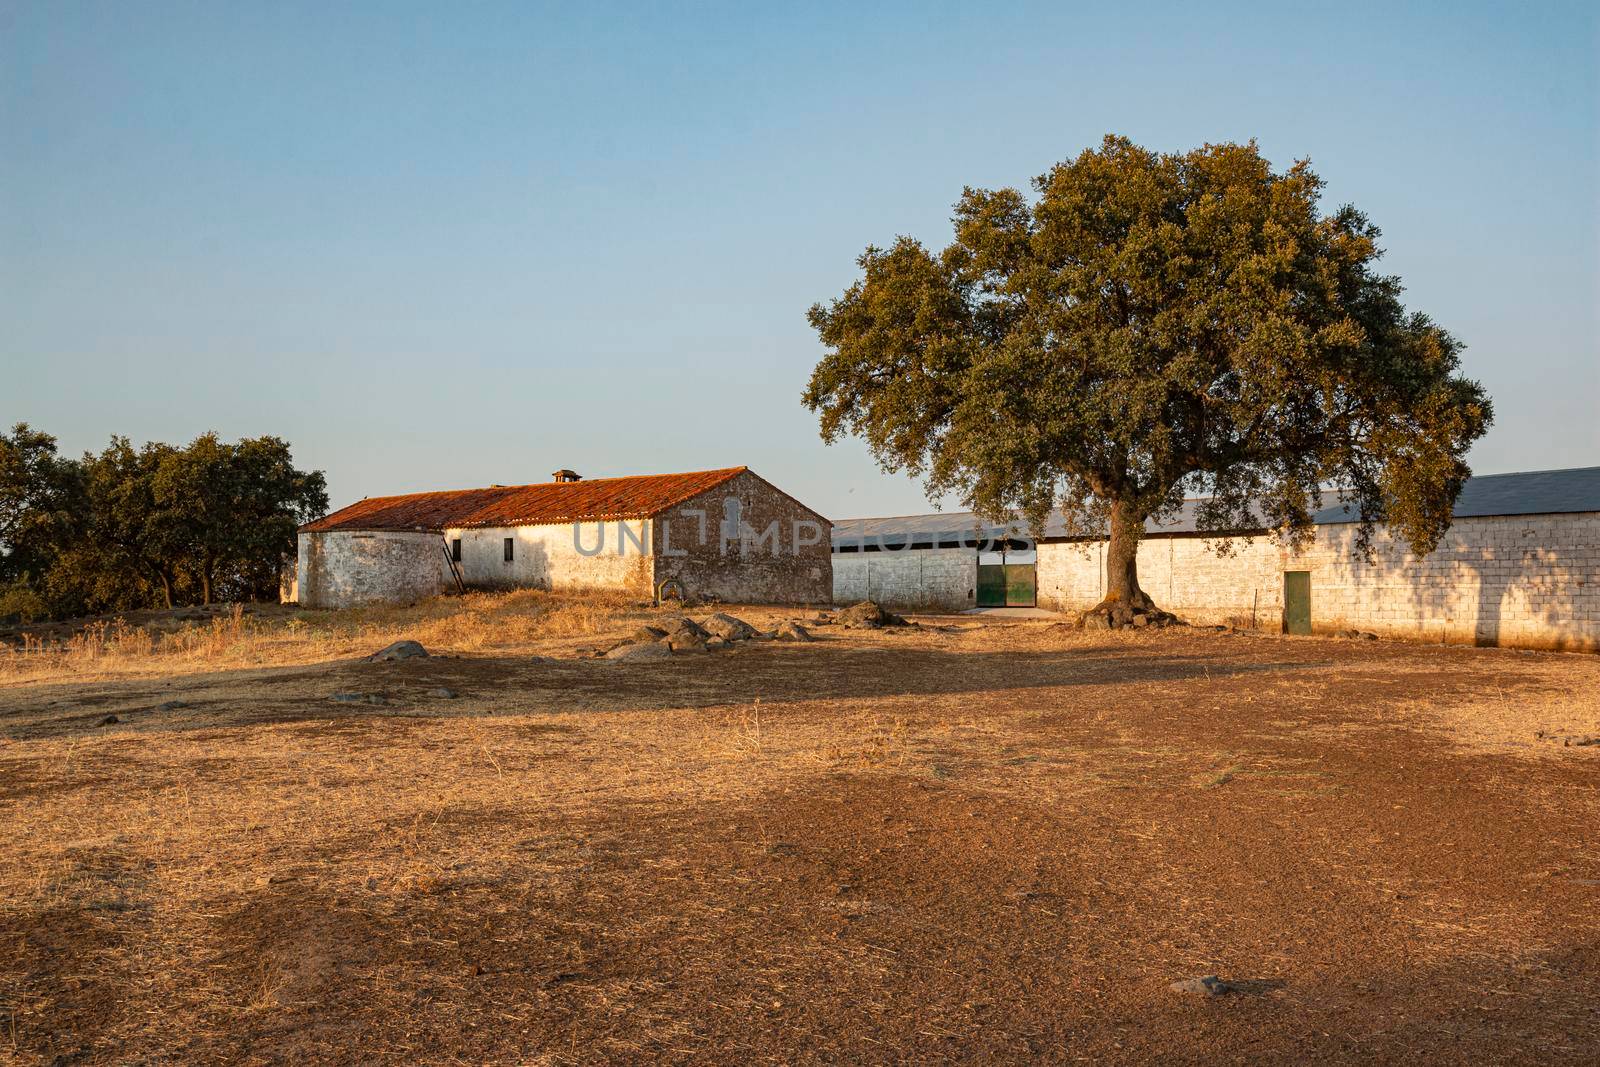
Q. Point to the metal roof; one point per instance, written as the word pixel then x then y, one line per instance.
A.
pixel 538 504
pixel 1557 492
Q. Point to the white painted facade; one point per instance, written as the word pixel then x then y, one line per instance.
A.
pixel 1525 581
pixel 568 556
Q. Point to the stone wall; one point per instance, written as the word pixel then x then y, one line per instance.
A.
pixel 345 569
pixel 1517 581
pixel 942 579
pixel 566 556
pixel 745 542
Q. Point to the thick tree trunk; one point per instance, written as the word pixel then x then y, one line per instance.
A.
pixel 1125 603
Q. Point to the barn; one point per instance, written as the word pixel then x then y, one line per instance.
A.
pixel 728 534
pixel 1519 567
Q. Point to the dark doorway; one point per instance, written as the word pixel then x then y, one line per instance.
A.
pixel 1297 602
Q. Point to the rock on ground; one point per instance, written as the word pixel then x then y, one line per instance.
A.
pixel 648 633
pixel 1210 986
pixel 728 628
pixel 685 643
pixel 793 631
pixel 632 653
pixel 866 616
pixel 672 625
pixel 359 698
pixel 398 650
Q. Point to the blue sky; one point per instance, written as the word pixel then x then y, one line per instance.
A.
pixel 446 245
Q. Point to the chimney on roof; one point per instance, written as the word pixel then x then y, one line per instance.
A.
pixel 565 475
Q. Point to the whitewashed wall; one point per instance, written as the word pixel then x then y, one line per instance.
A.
pixel 943 578
pixel 1517 581
pixel 555 557
pixel 346 569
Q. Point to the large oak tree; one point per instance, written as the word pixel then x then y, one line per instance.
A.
pixel 1151 326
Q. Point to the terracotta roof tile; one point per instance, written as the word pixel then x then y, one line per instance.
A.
pixel 526 505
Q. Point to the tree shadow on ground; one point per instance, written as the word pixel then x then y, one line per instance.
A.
pixel 487 686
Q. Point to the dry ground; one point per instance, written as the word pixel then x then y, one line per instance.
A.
pixel 977 842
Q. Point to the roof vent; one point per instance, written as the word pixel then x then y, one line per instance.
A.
pixel 565 475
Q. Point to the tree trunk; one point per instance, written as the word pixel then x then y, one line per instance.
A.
pixel 1125 603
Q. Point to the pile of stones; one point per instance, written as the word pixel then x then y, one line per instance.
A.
pixel 679 635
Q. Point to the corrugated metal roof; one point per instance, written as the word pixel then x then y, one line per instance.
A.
pixel 1575 490
pixel 541 503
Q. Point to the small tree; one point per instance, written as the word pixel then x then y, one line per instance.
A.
pixel 1153 325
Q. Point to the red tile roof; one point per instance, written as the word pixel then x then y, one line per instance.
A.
pixel 526 505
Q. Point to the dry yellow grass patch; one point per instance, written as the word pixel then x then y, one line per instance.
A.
pixel 269 636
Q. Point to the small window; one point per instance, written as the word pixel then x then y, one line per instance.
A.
pixel 455 550
pixel 509 543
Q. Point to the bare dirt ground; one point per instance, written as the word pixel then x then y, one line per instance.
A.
pixel 966 841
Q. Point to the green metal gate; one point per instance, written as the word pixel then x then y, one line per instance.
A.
pixel 991 585
pixel 1008 585
pixel 1020 585
pixel 1297 602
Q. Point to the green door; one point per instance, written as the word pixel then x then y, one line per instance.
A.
pixel 1297 602
pixel 991 585
pixel 1019 585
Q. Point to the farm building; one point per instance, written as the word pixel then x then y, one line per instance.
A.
pixel 1519 567
pixel 728 534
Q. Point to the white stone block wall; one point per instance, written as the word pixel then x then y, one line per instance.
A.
pixel 1517 581
pixel 940 578
pixel 346 569
pixel 566 556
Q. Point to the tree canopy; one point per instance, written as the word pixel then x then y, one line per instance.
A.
pixel 1150 326
pixel 154 525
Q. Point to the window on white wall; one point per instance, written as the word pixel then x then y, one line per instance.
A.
pixel 509 549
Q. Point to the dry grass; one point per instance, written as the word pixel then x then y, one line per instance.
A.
pixel 989 843
pixel 266 637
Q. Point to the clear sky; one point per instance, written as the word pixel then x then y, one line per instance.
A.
pixel 441 245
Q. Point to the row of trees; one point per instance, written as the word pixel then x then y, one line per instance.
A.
pixel 153 526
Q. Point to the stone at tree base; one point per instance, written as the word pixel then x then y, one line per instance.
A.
pixel 792 631
pixel 398 650
pixel 633 653
pixel 1119 616
pixel 728 628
